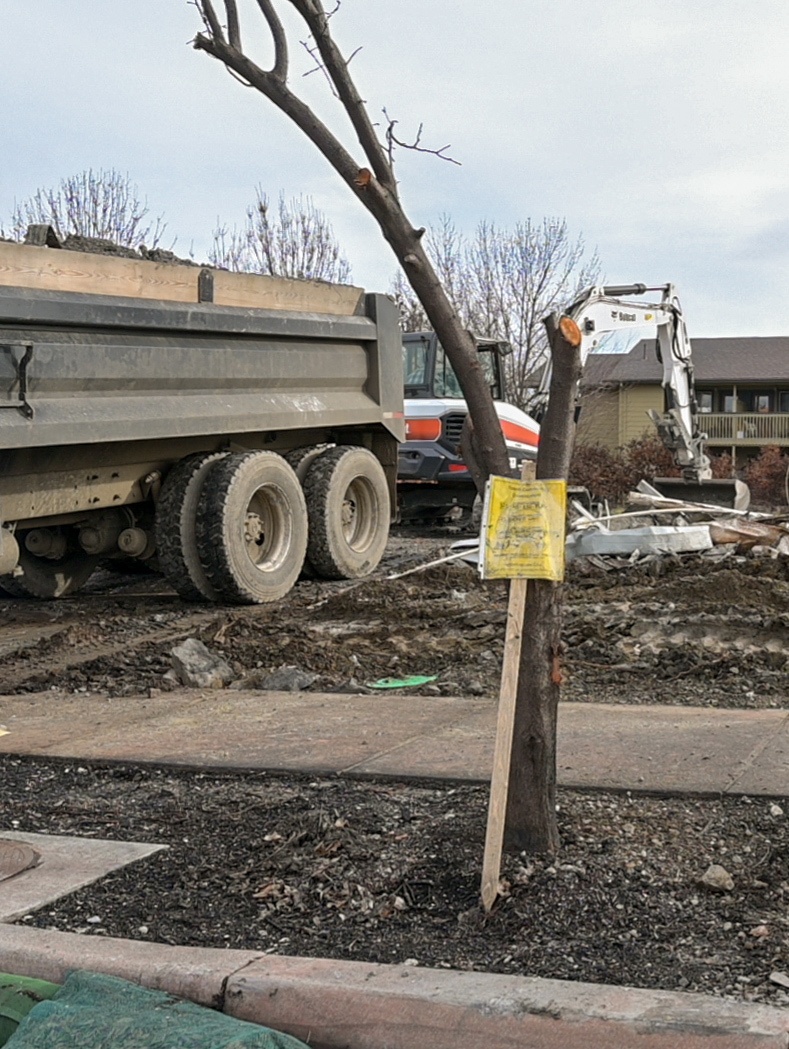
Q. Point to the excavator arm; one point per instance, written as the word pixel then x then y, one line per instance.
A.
pixel 600 310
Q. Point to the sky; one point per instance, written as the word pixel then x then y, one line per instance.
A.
pixel 658 130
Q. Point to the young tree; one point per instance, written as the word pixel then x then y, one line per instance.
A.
pixel 99 204
pixel 372 181
pixel 503 282
pixel 296 241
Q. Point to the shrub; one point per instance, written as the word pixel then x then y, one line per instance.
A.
pixel 612 474
pixel 722 466
pixel 766 476
pixel 600 470
pixel 647 457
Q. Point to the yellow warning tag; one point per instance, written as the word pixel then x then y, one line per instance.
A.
pixel 523 532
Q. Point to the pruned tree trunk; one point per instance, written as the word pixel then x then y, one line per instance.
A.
pixel 375 186
pixel 531 823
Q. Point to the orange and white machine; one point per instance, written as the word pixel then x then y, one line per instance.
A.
pixel 433 481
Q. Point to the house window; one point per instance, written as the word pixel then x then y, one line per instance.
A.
pixel 757 400
pixel 783 402
pixel 704 400
pixel 729 403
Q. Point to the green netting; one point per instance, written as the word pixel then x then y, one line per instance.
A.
pixel 18 995
pixel 101 1012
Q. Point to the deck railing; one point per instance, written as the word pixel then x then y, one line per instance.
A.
pixel 745 428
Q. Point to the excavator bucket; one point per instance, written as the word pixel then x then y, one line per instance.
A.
pixel 728 493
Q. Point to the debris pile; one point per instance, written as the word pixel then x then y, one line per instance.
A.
pixel 655 526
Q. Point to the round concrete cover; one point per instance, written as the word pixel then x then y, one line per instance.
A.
pixel 15 857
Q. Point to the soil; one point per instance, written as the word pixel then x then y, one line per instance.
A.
pixel 381 871
pixel 388 872
pixel 98 246
pixel 700 630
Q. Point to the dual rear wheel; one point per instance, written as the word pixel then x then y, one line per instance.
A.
pixel 242 527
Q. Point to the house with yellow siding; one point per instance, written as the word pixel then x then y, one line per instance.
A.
pixel 742 390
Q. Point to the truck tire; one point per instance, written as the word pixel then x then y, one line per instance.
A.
pixel 46 578
pixel 301 459
pixel 176 516
pixel 252 527
pixel 348 507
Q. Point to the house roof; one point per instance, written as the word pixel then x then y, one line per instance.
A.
pixel 740 360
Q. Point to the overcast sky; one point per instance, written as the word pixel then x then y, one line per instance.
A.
pixel 659 130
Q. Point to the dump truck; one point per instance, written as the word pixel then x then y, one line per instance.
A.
pixel 240 429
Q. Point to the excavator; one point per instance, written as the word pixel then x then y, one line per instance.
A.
pixel 600 310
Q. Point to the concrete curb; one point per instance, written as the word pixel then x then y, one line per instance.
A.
pixel 192 972
pixel 353 1005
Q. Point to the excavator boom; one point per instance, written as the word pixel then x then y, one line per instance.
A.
pixel 600 310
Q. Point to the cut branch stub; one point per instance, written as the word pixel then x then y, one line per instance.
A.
pixel 571 333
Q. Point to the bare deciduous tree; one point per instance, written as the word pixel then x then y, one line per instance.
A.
pixel 372 180
pixel 100 204
pixel 503 283
pixel 296 240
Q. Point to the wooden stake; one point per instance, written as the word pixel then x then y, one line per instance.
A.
pixel 502 755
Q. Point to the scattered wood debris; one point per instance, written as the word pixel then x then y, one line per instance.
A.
pixel 643 532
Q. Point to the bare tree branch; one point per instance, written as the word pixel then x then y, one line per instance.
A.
pixel 319 67
pixel 100 204
pixel 276 90
pixel 206 9
pixel 503 282
pixel 233 31
pixel 337 68
pixel 392 140
pixel 374 186
pixel 280 67
pixel 293 239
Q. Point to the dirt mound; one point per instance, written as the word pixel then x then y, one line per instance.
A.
pixel 98 246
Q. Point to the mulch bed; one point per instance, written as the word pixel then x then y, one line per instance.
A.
pixel 389 872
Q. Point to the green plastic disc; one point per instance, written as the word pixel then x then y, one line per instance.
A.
pixel 402 682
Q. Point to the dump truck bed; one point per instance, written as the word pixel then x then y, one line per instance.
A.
pixel 84 369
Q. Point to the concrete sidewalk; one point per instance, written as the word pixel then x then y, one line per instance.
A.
pixel 640 748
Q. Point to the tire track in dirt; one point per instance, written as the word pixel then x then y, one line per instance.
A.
pixel 67 652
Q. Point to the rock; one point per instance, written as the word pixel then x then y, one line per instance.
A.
pixel 776 810
pixel 782 979
pixel 197 667
pixel 283 679
pixel 170 681
pixel 717 879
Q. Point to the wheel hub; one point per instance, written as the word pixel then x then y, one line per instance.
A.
pixel 254 533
